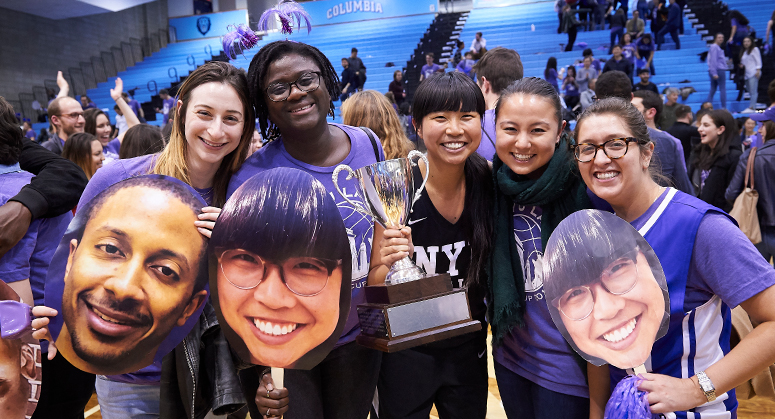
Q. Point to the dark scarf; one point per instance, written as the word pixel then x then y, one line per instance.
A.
pixel 559 192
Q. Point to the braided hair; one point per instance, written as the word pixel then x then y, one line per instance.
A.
pixel 257 74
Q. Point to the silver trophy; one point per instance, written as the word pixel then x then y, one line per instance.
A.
pixel 387 188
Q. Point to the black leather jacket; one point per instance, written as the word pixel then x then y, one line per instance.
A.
pixel 764 182
pixel 200 374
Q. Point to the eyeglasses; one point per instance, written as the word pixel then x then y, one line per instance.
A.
pixel 74 115
pixel 614 149
pixel 307 82
pixel 303 276
pixel 619 278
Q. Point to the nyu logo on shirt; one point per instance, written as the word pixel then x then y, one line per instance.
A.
pixel 426 258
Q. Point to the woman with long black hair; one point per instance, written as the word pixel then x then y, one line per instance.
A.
pixel 450 230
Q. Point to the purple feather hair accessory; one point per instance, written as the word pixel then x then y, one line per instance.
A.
pixel 627 402
pixel 290 14
pixel 238 40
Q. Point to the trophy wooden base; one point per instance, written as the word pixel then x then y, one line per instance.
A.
pixel 401 316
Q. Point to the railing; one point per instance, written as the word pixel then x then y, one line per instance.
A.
pixel 97 70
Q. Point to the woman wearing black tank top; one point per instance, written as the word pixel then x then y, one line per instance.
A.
pixel 449 232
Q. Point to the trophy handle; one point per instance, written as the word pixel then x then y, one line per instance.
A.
pixel 415 153
pixel 350 174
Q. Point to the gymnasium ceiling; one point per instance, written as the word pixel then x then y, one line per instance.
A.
pixel 64 9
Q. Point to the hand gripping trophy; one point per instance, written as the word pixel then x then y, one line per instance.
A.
pixel 411 308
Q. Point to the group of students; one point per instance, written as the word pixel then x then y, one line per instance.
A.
pixel 496 216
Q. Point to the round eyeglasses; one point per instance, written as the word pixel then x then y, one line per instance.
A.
pixel 303 276
pixel 615 149
pixel 619 278
pixel 307 82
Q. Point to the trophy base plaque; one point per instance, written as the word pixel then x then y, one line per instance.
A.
pixel 409 314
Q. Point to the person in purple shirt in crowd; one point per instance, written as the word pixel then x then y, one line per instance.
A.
pixel 496 70
pixel 596 64
pixel 672 26
pixel 135 105
pixel 87 103
pixel 628 48
pixel 430 67
pixel 24 265
pixel 700 248
pixel 570 89
pixel 536 189
pixel 671 160
pixel 28 131
pixel 209 142
pixel 167 103
pixel 292 86
pixel 717 67
pixel 465 65
pixel 644 53
pixel 66 114
pixel 98 124
pixel 550 73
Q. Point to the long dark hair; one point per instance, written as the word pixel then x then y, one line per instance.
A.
pixel 257 73
pixel 456 92
pixel 737 15
pixel 551 64
pixel 703 156
pixel 10 134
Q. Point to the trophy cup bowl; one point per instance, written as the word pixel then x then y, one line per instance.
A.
pixel 387 189
pixel 410 308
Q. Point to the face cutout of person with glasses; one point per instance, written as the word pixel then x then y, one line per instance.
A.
pixel 605 289
pixel 280 270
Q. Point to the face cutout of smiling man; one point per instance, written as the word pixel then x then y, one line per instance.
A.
pixel 605 289
pixel 134 275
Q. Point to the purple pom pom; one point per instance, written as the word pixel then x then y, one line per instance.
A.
pixel 290 14
pixel 627 402
pixel 238 40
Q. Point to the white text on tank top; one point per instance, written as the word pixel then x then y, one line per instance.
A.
pixel 426 258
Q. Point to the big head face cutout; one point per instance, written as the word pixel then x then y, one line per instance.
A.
pixel 280 270
pixel 605 289
pixel 129 277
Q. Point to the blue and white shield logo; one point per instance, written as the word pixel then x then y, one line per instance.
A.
pixel 203 24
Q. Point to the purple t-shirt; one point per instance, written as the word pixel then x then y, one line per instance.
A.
pixel 15 264
pixel 360 228
pixel 721 252
pixel 429 70
pixel 111 150
pixel 167 106
pixel 487 145
pixel 31 135
pixel 537 351
pixel 135 105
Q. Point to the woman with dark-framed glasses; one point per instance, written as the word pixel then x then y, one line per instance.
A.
pixel 292 87
pixel 709 265
pixel 282 255
pixel 606 285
